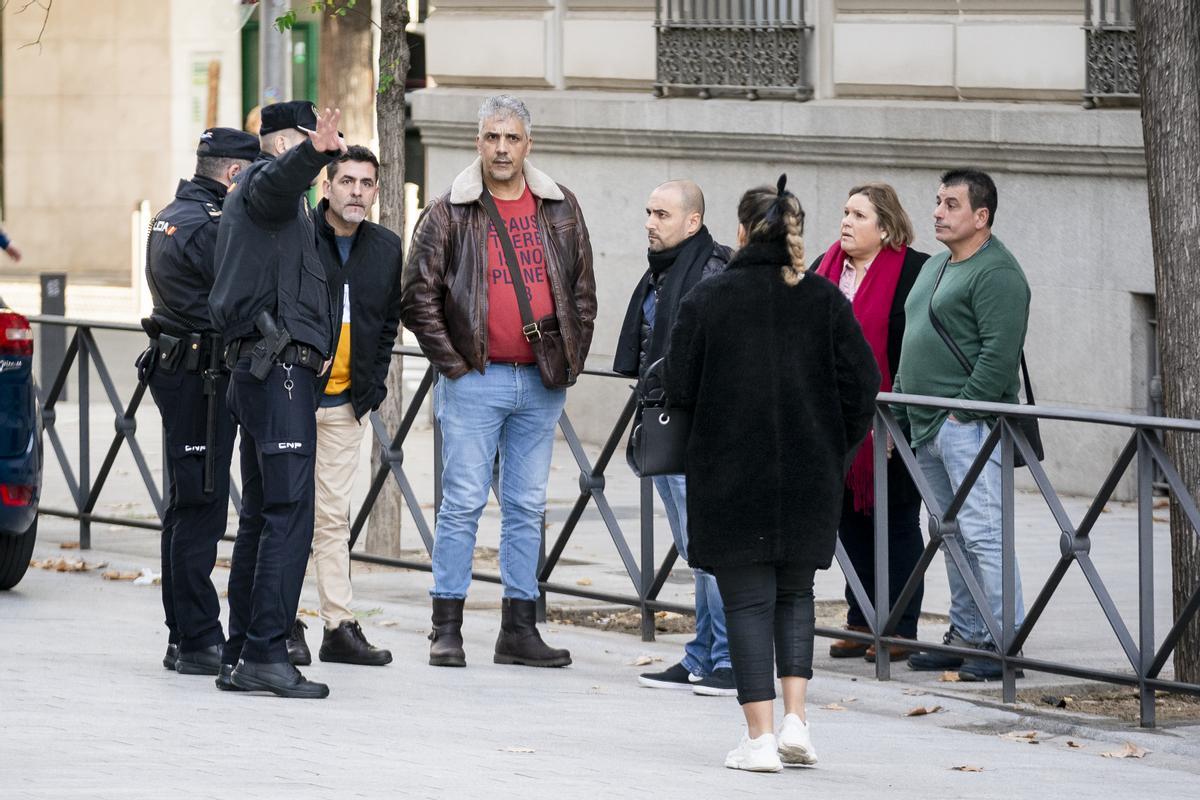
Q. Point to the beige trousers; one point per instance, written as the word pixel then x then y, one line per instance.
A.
pixel 339 436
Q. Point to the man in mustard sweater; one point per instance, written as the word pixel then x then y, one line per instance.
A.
pixel 362 263
pixel 980 297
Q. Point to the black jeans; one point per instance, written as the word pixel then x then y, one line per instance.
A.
pixel 857 532
pixel 769 618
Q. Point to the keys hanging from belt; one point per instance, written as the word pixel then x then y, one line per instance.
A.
pixel 288 383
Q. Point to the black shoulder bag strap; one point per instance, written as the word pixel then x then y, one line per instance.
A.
pixel 530 328
pixel 957 351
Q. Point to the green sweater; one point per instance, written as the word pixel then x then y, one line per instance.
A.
pixel 983 303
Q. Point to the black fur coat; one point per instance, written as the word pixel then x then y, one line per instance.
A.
pixel 782 386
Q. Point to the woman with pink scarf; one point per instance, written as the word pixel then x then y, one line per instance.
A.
pixel 875 268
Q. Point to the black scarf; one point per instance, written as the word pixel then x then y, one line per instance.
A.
pixel 675 271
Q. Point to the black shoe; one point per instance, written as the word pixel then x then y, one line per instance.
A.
pixel 519 641
pixel 676 676
pixel 200 662
pixel 446 643
pixel 977 670
pixel 282 679
pixel 346 644
pixel 225 682
pixel 938 662
pixel 719 684
pixel 171 656
pixel 298 652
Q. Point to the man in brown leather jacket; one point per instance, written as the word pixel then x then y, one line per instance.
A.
pixel 458 298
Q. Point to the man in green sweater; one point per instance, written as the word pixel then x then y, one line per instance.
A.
pixel 980 297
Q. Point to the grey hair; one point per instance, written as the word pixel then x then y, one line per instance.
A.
pixel 505 106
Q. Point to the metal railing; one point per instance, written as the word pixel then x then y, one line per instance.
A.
pixel 1112 57
pixel 732 46
pixel 1147 654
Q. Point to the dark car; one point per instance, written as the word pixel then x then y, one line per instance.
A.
pixel 20 447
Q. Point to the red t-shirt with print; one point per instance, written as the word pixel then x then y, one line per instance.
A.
pixel 505 340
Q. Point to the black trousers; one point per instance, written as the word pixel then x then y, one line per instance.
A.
pixel 194 521
pixel 905 544
pixel 278 452
pixel 769 618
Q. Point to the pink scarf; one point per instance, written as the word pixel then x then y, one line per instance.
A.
pixel 872 307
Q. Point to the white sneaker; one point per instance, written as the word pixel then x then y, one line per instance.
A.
pixel 755 755
pixel 795 742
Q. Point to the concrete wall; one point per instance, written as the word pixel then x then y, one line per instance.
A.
pixel 101 116
pixel 1072 208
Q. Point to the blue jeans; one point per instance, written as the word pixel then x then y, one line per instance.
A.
pixel 945 461
pixel 506 409
pixel 710 649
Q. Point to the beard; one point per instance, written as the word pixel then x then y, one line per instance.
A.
pixel 353 214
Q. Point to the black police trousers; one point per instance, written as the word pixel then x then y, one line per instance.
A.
pixel 278 454
pixel 194 521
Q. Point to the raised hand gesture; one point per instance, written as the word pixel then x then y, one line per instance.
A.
pixel 325 138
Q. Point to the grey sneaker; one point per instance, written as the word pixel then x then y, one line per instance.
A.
pixel 719 684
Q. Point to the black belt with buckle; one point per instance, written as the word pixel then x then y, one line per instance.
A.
pixel 294 353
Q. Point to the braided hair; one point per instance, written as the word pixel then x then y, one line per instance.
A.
pixel 771 215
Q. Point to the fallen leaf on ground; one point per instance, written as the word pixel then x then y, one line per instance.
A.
pixel 584 582
pixel 148 577
pixel 642 661
pixel 114 575
pixel 308 612
pixel 949 676
pixel 1074 745
pixel 967 768
pixel 849 699
pixel 370 612
pixel 834 707
pixel 224 563
pixel 914 692
pixel 1128 750
pixel 921 711
pixel 69 545
pixel 386 623
pixel 517 750
pixel 1027 737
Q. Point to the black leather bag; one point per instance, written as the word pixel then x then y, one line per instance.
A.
pixel 658 442
pixel 1027 425
pixel 543 335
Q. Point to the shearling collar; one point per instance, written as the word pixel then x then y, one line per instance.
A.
pixel 468 186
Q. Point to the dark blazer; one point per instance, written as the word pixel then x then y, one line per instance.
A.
pixel 782 385
pixel 901 489
pixel 373 272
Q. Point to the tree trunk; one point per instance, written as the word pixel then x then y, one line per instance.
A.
pixel 1169 62
pixel 383 530
pixel 347 79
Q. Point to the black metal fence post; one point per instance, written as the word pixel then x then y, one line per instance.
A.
pixel 85 469
pixel 52 339
pixel 1145 500
pixel 646 508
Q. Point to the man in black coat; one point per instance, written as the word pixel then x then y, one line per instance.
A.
pixel 183 371
pixel 362 266
pixel 271 303
pixel 682 253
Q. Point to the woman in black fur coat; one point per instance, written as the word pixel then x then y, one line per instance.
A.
pixel 782 385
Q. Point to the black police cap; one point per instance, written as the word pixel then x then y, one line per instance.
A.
pixel 228 143
pixel 293 114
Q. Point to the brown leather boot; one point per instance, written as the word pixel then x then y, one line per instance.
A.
pixel 849 648
pixel 519 641
pixel 896 652
pixel 446 642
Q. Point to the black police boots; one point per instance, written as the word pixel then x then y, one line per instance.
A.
pixel 298 652
pixel 199 662
pixel 225 679
pixel 446 648
pixel 171 657
pixel 346 644
pixel 519 641
pixel 280 679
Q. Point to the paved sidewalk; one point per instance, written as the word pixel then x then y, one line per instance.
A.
pixel 89 712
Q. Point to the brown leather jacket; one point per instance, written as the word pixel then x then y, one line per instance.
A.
pixel 444 288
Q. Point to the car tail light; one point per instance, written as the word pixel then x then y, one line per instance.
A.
pixel 16 337
pixel 12 494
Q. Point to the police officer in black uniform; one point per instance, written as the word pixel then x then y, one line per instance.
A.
pixel 271 304
pixel 184 371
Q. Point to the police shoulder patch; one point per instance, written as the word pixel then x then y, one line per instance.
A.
pixel 212 210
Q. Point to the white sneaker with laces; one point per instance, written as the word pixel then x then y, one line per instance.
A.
pixel 755 755
pixel 795 742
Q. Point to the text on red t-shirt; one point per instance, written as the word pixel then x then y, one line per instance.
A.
pixel 505 339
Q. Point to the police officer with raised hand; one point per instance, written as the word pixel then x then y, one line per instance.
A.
pixel 184 372
pixel 271 303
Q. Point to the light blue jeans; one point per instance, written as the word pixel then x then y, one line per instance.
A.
pixel 710 649
pixel 507 409
pixel 945 461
